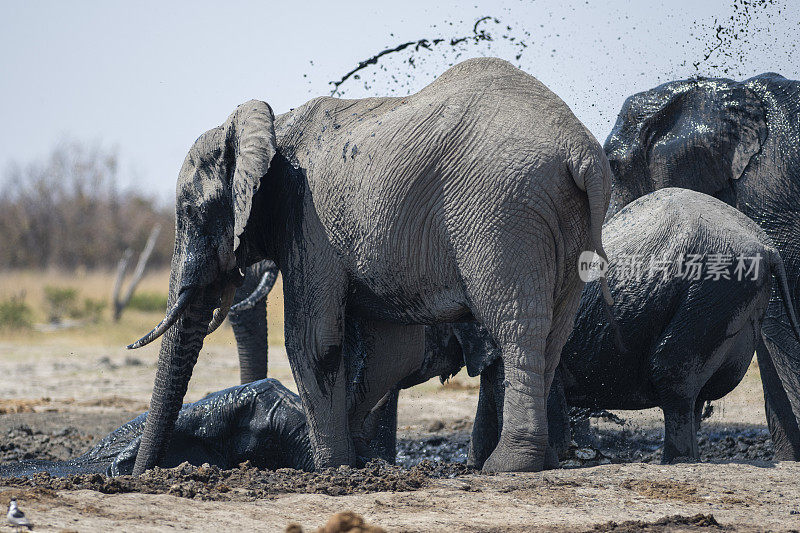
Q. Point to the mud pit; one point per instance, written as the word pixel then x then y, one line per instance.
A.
pixel 740 489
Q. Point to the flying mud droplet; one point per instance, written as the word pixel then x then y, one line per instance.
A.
pixel 485 31
pixel 732 40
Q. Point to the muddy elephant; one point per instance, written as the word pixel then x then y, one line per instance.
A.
pixel 469 200
pixel 261 422
pixel 737 141
pixel 691 278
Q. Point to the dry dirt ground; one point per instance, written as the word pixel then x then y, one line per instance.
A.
pixel 56 398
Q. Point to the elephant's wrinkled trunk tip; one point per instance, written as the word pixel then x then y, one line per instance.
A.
pixel 222 311
pixel 259 293
pixel 172 316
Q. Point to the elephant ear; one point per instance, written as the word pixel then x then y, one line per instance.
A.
pixel 251 145
pixel 701 134
pixel 748 112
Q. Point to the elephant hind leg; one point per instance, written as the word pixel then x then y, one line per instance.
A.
pixel 782 424
pixel 523 437
pixel 523 441
pixel 489 419
pixel 528 307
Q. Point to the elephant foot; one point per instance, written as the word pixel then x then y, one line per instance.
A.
pixel 786 453
pixel 328 459
pixel 364 452
pixel 528 458
pixel 551 459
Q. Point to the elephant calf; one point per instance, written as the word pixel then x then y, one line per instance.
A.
pixel 691 278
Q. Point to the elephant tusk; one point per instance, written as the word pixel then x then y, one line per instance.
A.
pixel 222 311
pixel 259 293
pixel 172 316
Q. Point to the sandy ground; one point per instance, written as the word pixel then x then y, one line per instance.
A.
pixel 54 387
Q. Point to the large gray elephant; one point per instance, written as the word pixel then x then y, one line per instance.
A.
pixel 737 141
pixel 470 200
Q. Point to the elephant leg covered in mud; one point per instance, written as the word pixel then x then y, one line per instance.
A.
pixel 737 141
pixel 469 200
pixel 690 327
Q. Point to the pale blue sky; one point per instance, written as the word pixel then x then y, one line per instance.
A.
pixel 149 77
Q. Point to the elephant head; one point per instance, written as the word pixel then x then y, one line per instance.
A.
pixel 216 187
pixel 698 134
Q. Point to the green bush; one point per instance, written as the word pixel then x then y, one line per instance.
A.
pixel 91 309
pixel 15 313
pixel 60 302
pixel 63 302
pixel 155 302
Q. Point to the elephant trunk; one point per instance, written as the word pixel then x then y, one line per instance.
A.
pixel 180 347
pixel 250 328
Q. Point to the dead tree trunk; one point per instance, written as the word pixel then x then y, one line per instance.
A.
pixel 117 303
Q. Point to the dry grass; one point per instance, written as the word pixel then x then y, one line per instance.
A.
pixel 98 285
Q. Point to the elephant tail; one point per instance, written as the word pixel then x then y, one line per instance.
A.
pixel 779 272
pixel 594 177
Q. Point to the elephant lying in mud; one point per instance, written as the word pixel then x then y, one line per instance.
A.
pixel 688 339
pixel 471 199
pixel 737 141
pixel 261 422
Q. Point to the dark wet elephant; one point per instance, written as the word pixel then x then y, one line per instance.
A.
pixel 737 141
pixel 261 422
pixel 686 340
pixel 471 199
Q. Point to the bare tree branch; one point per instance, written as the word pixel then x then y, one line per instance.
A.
pixel 120 304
